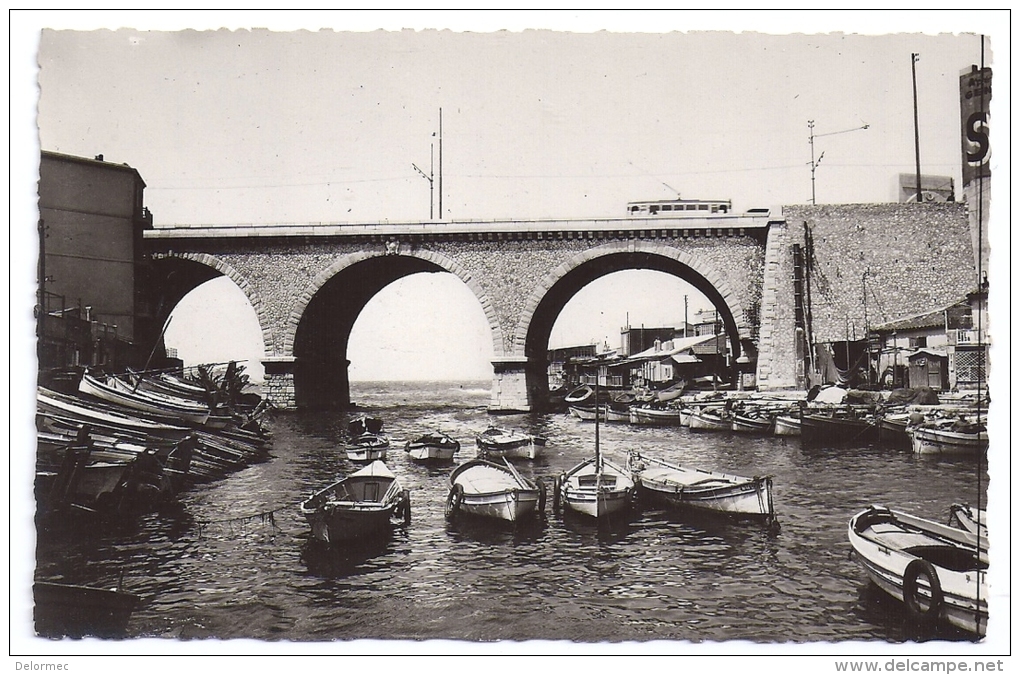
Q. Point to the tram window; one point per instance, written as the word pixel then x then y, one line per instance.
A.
pixel 653 209
pixel 703 207
pixel 723 208
pixel 691 207
pixel 667 207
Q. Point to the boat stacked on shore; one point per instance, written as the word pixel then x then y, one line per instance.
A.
pixel 134 442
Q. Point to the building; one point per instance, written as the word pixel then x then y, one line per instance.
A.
pixel 90 308
pixel 945 349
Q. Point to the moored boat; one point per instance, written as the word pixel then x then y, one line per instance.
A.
pixel 367 448
pixel 500 442
pixel 655 416
pixel 434 446
pixel 583 413
pixel 483 488
pixel 616 412
pixel 752 421
pixel 711 418
pixel 120 393
pixel 596 487
pixel 360 505
pixel 685 487
pixel 969 518
pixel 837 425
pixel 948 436
pixel 938 572
pixel 70 610
pixel 786 425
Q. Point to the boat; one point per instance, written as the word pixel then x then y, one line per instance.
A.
pixel 367 447
pixel 70 407
pixel 964 435
pixel 938 572
pixel 595 487
pixel 752 421
pixel 684 487
pixel 671 392
pixel 969 518
pixel 892 428
pixel 71 610
pixel 583 413
pixel 364 424
pixel 480 487
pixel 433 446
pixel 617 412
pixel 837 425
pixel 122 394
pixel 651 416
pixel 581 394
pixel 710 418
pixel 360 505
pixel 500 442
pixel 786 425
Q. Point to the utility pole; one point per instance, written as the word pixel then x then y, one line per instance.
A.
pixel 440 164
pixel 811 141
pixel 685 316
pixel 428 178
pixel 917 139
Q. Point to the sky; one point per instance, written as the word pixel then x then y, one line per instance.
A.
pixel 297 124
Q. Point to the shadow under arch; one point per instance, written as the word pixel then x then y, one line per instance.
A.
pixel 174 275
pixel 319 328
pixel 551 295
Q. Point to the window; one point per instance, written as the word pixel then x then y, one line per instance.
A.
pixel 970 367
pixel 919 342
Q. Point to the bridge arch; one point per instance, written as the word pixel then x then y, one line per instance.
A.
pixel 321 319
pixel 551 294
pixel 182 272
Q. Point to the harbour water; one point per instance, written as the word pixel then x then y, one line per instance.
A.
pixel 234 559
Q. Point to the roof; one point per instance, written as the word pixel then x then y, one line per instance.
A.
pixel 99 163
pixel 930 319
pixel 685 358
pixel 925 351
pixel 677 345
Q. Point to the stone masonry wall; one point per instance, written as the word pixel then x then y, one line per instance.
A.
pixel 904 259
pixel 777 356
pixel 506 270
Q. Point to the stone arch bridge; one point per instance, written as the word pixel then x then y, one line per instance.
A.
pixel 308 283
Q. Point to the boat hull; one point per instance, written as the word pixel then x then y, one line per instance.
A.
pixel 824 429
pixel 964 589
pixel 66 610
pixel 749 425
pixel 653 417
pixel 597 495
pixel 582 413
pixel 431 453
pixel 489 490
pixel 927 441
pixel 786 426
pixel 700 421
pixel 361 505
pixel 520 447
pixel 686 488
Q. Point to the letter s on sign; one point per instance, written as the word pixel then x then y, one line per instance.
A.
pixel 977 133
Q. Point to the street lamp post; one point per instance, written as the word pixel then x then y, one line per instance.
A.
pixel 811 141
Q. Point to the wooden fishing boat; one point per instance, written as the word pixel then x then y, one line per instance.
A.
pixel 360 505
pixel 961 436
pixel 617 413
pixel 69 610
pixel 892 428
pixel 367 448
pixel 969 518
pixel 483 488
pixel 786 425
pixel 434 446
pixel 48 401
pixel 596 487
pixel 582 394
pixel 500 442
pixel 710 418
pixel 364 424
pixel 120 393
pixel 662 417
pixel 752 421
pixel 837 425
pixel 938 572
pixel 583 413
pixel 683 487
